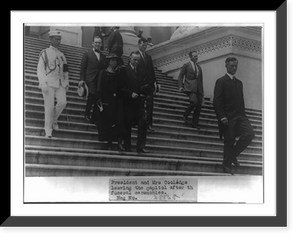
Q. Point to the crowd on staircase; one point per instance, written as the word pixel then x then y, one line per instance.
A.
pixel 120 96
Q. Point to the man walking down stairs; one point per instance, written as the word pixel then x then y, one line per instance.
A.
pixel 176 148
pixel 53 77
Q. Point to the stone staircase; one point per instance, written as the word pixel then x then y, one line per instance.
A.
pixel 176 149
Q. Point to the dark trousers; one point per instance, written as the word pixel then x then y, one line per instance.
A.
pixel 195 104
pixel 237 136
pixel 150 103
pixel 135 113
pixel 91 102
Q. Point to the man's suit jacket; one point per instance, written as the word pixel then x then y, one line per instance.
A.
pixel 146 69
pixel 90 68
pixel 228 99
pixel 115 43
pixel 131 82
pixel 188 80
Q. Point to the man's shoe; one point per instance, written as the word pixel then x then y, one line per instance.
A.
pixel 93 121
pixel 142 150
pixel 55 126
pixel 185 119
pixel 236 163
pixel 120 147
pixel 197 126
pixel 109 146
pixel 226 169
pixel 87 118
pixel 150 128
pixel 48 136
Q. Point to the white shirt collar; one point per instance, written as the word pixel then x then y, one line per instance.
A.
pixel 54 48
pixel 231 76
pixel 95 51
pixel 131 66
pixel 142 53
pixel 193 64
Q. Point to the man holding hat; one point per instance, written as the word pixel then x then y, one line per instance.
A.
pixel 91 64
pixel 52 71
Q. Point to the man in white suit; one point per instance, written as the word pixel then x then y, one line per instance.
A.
pixel 52 71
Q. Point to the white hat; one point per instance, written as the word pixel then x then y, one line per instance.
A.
pixel 157 88
pixel 82 89
pixel 55 33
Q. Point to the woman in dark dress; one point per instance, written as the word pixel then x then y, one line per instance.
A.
pixel 110 114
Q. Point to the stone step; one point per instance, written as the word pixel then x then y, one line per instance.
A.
pixel 171 133
pixel 32 80
pixel 31 83
pixel 105 159
pixel 74 74
pixel 31 61
pixel 75 122
pixel 40 170
pixel 163 101
pixel 161 117
pixel 45 43
pixel 153 139
pixel 132 154
pixel 73 142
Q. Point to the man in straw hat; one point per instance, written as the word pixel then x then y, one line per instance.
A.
pixel 52 71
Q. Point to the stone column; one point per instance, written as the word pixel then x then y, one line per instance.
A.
pixel 130 39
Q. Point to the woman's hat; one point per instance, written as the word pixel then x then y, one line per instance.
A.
pixel 82 89
pixel 113 55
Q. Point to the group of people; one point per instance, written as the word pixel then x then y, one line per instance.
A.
pixel 119 97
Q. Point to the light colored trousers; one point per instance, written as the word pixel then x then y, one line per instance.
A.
pixel 53 112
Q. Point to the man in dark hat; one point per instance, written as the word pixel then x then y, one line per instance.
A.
pixel 115 42
pixel 230 110
pixel 91 64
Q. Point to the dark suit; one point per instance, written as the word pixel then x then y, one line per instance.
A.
pixel 89 71
pixel 134 108
pixel 229 102
pixel 146 69
pixel 115 43
pixel 192 83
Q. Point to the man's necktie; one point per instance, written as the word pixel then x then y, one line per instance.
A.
pixel 196 69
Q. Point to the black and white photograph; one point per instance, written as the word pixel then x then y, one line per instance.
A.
pixel 124 116
pixel 150 108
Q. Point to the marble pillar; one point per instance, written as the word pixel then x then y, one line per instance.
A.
pixel 130 39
